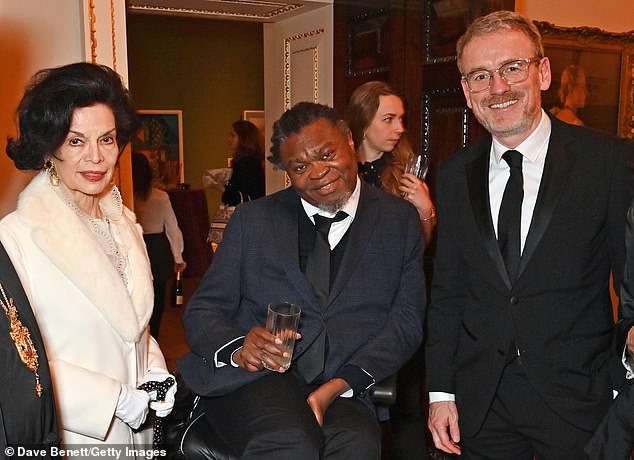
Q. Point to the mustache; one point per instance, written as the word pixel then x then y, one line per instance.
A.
pixel 501 99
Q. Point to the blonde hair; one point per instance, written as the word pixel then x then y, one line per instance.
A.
pixel 495 22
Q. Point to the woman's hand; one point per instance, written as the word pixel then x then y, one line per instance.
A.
pixel 416 192
pixel 180 267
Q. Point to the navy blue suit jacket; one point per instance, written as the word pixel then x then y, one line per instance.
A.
pixel 559 309
pixel 374 314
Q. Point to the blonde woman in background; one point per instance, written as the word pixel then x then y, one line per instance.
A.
pixel 375 117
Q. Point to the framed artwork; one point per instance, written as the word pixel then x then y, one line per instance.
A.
pixel 160 138
pixel 256 117
pixel 592 77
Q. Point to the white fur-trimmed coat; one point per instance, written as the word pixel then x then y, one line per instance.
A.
pixel 95 331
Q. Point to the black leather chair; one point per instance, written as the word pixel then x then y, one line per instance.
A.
pixel 199 442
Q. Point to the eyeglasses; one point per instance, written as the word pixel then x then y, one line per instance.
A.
pixel 512 72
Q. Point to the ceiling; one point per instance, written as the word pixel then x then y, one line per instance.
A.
pixel 241 10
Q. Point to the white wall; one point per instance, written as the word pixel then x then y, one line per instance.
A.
pixel 608 15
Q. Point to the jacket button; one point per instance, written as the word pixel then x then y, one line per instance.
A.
pixel 514 300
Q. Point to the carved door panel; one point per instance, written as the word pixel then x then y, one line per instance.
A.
pixel 447 124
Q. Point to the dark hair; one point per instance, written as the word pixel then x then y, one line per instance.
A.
pixel 250 140
pixel 296 118
pixel 364 102
pixel 141 176
pixel 496 22
pixel 50 99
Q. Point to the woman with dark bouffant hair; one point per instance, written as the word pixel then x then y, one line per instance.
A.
pixel 80 256
pixel 247 178
pixel 375 117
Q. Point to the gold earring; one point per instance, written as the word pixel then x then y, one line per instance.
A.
pixel 53 177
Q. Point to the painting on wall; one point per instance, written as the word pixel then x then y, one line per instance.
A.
pixel 256 117
pixel 592 77
pixel 160 138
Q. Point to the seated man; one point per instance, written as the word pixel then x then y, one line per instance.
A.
pixel 356 331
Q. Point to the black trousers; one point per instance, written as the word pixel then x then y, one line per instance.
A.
pixel 162 264
pixel 521 426
pixel 270 418
pixel 614 438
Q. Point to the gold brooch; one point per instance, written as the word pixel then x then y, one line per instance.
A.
pixel 22 339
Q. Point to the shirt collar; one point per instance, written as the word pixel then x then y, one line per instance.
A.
pixel 349 208
pixel 533 146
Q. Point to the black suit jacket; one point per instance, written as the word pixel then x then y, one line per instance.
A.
pixel 373 316
pixel 25 419
pixel 559 309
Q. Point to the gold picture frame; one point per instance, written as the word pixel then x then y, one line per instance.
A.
pixel 607 59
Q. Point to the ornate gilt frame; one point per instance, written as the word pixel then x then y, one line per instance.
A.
pixel 591 39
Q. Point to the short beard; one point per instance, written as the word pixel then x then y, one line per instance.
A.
pixel 332 208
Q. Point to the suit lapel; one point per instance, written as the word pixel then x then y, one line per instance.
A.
pixel 284 221
pixel 360 235
pixel 557 168
pixel 478 182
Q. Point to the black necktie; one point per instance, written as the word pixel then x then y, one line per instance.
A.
pixel 311 363
pixel 510 216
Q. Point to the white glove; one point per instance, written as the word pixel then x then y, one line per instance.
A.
pixel 162 408
pixel 132 407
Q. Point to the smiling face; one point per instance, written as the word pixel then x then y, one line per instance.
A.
pixel 86 159
pixel 321 163
pixel 509 112
pixel 386 127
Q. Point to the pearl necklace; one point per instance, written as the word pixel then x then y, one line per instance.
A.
pixel 100 229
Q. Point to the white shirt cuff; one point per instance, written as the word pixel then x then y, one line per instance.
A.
pixel 233 363
pixel 628 364
pixel 438 396
pixel 219 363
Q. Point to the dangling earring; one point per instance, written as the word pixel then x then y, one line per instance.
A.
pixel 52 173
pixel 363 136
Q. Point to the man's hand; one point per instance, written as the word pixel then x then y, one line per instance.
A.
pixel 259 347
pixel 443 415
pixel 320 399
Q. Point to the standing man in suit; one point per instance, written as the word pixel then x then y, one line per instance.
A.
pixel 520 322
pixel 27 405
pixel 360 331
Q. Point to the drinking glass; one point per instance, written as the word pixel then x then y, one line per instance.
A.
pixel 282 321
pixel 418 165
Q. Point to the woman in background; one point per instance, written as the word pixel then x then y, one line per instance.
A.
pixel 163 238
pixel 375 117
pixel 572 94
pixel 247 177
pixel 80 256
